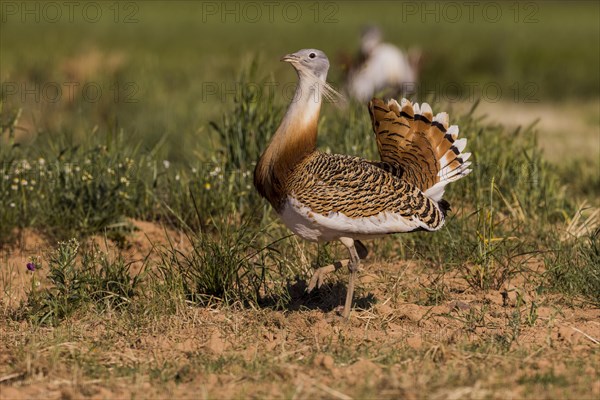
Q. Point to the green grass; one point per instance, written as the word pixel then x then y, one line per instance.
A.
pixel 506 215
pixel 79 171
pixel 163 86
pixel 230 265
pixel 77 280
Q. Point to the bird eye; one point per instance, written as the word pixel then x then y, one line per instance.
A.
pixel 312 55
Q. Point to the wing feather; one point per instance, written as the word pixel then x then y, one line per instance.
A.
pixel 354 189
pixel 422 146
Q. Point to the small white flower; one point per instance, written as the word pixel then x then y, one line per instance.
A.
pixel 6 177
pixel 13 205
pixel 194 170
pixel 41 161
pixel 166 163
pixel 23 182
pixel 14 187
pixel 177 177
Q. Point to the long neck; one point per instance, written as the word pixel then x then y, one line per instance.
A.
pixel 294 140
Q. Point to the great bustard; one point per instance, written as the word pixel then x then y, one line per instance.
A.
pixel 382 67
pixel 325 197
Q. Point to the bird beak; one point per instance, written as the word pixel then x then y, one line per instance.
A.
pixel 289 58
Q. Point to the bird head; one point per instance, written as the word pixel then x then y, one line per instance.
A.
pixel 309 62
pixel 370 38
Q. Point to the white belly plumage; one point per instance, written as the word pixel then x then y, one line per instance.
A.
pixel 315 227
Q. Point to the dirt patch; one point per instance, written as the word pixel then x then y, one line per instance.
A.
pixel 398 343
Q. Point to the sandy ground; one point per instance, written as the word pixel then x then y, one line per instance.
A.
pixel 394 345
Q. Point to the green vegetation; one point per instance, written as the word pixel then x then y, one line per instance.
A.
pixel 79 279
pixel 508 213
pixel 173 141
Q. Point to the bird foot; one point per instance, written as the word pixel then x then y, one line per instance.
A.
pixel 317 279
pixel 319 275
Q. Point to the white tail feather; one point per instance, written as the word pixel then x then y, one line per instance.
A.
pixel 453 131
pixel 460 144
pixel 447 173
pixel 436 192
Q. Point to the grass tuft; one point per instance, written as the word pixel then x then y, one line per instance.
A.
pixel 574 269
pixel 79 279
pixel 228 263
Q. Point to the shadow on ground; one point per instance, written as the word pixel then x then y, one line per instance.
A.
pixel 327 298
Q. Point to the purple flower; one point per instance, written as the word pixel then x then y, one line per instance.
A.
pixel 31 267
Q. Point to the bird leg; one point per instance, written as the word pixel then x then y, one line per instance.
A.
pixel 353 267
pixel 319 274
pixel 357 251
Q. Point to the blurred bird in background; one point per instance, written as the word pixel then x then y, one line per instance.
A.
pixel 382 68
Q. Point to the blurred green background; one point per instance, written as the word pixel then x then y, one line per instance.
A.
pixel 159 70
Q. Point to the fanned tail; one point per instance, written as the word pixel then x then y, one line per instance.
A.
pixel 421 148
